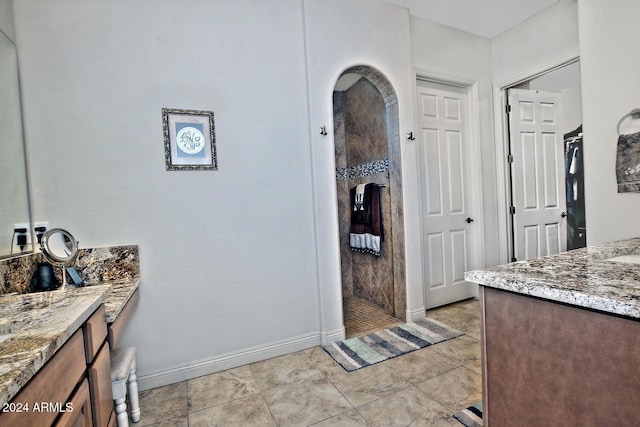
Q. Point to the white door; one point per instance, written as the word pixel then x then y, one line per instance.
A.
pixel 537 171
pixel 447 222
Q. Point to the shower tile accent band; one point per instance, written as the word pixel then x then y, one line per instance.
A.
pixel 364 169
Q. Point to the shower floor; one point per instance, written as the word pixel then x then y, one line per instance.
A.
pixel 362 317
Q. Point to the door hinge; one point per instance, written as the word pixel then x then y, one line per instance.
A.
pixel 512 210
pixel 507 108
pixel 510 158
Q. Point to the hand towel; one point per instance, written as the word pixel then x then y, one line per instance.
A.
pixel 366 231
pixel 358 199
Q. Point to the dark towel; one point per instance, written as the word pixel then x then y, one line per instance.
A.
pixel 366 231
pixel 628 163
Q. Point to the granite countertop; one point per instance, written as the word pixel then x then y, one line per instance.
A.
pixel 42 322
pixel 120 294
pixel 582 277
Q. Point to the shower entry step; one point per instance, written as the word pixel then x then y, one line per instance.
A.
pixel 362 317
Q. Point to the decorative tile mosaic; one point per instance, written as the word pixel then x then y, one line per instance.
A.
pixel 362 170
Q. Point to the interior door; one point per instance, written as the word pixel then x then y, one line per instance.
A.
pixel 447 223
pixel 537 171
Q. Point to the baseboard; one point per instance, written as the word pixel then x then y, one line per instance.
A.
pixel 333 336
pixel 222 362
pixel 416 314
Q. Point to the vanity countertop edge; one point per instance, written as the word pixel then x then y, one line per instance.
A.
pixel 582 277
pixel 42 323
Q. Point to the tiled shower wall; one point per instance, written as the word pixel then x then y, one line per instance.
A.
pixel 361 135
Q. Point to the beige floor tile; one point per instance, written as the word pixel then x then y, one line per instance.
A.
pixel 462 350
pixel 222 387
pixel 348 419
pixel 305 402
pixel 321 360
pixel 462 316
pixel 472 330
pixel 246 412
pixel 174 422
pixel 163 403
pixel 284 370
pixel 310 388
pixel 407 407
pixel 475 366
pixel 455 389
pixel 368 384
pixel 420 365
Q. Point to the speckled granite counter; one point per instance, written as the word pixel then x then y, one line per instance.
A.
pixel 40 323
pixel 582 277
pixel 120 294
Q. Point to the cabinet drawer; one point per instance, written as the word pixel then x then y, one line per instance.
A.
pixel 95 332
pixel 117 327
pixel 79 414
pixel 52 385
pixel 99 374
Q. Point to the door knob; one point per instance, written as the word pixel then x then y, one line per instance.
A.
pixel 563 214
pixel 469 220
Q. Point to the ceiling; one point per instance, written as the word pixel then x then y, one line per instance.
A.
pixel 486 18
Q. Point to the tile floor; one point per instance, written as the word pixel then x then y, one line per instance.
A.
pixel 307 388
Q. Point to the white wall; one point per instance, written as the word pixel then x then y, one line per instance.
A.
pixel 610 89
pixel 228 257
pixel 239 264
pixel 442 52
pixel 6 19
pixel 540 42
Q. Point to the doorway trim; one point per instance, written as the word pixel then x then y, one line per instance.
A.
pixel 502 142
pixel 474 138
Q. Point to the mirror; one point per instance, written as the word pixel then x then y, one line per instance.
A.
pixel 59 246
pixel 14 194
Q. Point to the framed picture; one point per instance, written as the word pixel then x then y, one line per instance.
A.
pixel 189 140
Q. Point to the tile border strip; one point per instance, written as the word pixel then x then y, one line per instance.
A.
pixel 363 169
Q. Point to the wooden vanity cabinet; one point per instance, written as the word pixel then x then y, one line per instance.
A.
pixel 81 414
pixel 73 388
pixel 52 385
pixel 555 364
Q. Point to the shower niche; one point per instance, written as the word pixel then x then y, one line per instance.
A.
pixel 367 150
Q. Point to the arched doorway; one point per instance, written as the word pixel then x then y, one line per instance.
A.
pixel 367 150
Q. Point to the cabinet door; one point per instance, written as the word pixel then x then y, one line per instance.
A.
pixel 99 374
pixel 79 414
pixel 117 327
pixel 95 332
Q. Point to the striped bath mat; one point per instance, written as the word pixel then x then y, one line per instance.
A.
pixel 356 353
pixel 470 417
